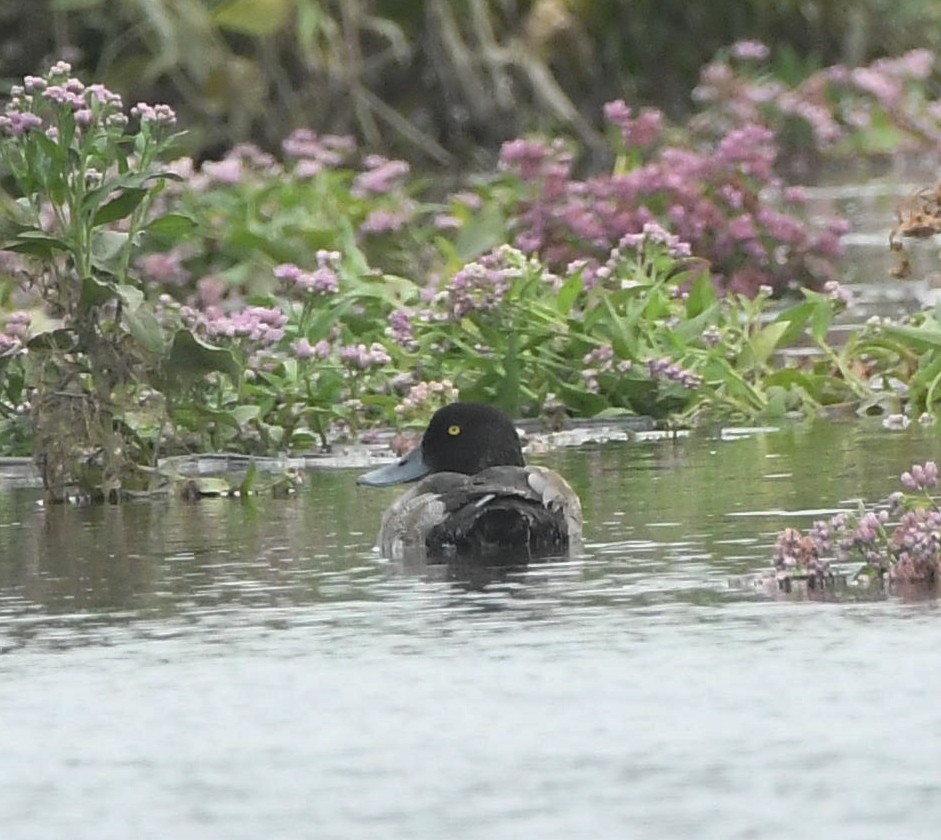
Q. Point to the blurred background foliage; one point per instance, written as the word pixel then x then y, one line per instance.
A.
pixel 437 81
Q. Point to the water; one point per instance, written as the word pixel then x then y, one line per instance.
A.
pixel 220 670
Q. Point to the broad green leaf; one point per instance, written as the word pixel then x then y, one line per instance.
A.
pixel 702 295
pixel 128 181
pixel 568 294
pixel 171 225
pixel 796 318
pixel 253 17
pixel 119 207
pixel 762 344
pixel 131 296
pixel 242 414
pixel 97 292
pixel 208 485
pixel 192 358
pixel 918 338
pixel 107 247
pixel 694 327
pixel 146 330
pixel 820 322
pixel 486 230
pixel 36 244
pixel 60 339
pixel 74 5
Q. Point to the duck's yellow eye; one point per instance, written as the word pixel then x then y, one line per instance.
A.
pixel 454 430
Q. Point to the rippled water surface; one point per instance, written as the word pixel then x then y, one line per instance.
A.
pixel 220 670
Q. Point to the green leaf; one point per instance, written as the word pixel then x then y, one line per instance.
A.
pixel 144 327
pixel 128 181
pixel 820 321
pixel 74 5
pixel 208 485
pixel 702 296
pixel 917 338
pixel 796 318
pixel 253 17
pixel 568 294
pixel 120 207
pixel 762 344
pixel 243 414
pixel 36 243
pixel 486 230
pixel 107 247
pixel 131 296
pixel 248 483
pixel 192 358
pixel 60 339
pixel 171 225
pixel 97 292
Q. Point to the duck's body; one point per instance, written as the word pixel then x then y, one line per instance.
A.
pixel 476 497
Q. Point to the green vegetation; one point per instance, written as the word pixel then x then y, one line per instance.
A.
pixel 260 304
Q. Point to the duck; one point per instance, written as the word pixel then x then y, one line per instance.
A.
pixel 475 497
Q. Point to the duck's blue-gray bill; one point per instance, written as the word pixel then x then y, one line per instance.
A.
pixel 410 468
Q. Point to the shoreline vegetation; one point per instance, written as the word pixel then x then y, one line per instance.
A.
pixel 155 306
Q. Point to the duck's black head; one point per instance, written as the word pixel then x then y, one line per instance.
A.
pixel 461 437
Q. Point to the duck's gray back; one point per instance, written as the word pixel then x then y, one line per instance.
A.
pixel 523 510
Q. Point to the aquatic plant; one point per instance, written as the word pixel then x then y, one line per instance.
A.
pixel 896 542
pixel 723 199
pixel 264 305
pixel 835 112
pixel 85 176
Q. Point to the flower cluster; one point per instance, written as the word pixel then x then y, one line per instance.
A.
pixel 39 102
pixel 797 555
pixel 359 357
pixel 921 477
pixel 243 162
pixel 832 104
pixel 314 153
pixel 382 220
pixel 162 115
pixel 303 349
pixel 424 398
pixel 15 331
pixel 165 268
pixel 481 286
pixel 900 541
pixel 258 324
pixel 724 204
pixel 667 369
pixel 600 361
pixel 653 233
pixel 642 131
pixel 401 330
pixel 324 280
pixel 380 177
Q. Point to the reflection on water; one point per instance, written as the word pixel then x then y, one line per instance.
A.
pixel 226 669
